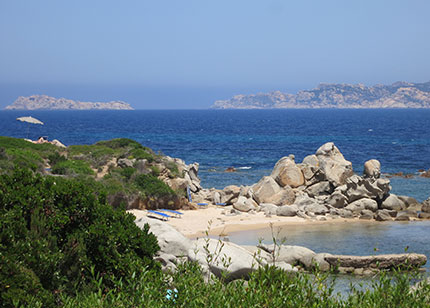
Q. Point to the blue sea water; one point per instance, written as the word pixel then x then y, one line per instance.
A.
pixel 250 140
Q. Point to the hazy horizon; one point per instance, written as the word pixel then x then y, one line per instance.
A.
pixel 186 55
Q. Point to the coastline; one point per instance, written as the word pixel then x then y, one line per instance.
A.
pixel 195 223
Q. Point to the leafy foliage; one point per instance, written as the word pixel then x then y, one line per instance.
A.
pixel 151 186
pixel 56 234
pixel 72 167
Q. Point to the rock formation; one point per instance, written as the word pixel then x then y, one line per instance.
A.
pixel 397 95
pixel 45 102
pixel 322 186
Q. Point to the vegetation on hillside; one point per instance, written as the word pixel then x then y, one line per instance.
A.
pixel 97 165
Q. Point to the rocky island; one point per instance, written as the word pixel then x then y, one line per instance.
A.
pixel 44 102
pixel 397 95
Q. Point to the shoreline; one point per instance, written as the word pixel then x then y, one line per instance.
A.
pixel 196 223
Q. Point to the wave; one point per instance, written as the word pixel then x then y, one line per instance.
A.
pixel 244 168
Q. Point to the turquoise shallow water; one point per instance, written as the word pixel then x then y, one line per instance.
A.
pixel 356 238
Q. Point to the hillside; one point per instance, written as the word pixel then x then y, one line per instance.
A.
pixel 45 102
pixel 397 95
pixel 132 175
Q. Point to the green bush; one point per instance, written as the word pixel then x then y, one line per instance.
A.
pixel 127 172
pixel 57 234
pixel 72 167
pixel 25 158
pixel 56 158
pixel 142 153
pixel 151 186
pixel 155 171
pixel 96 155
pixel 120 143
pixel 174 171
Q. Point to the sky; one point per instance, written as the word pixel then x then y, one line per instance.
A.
pixel 186 54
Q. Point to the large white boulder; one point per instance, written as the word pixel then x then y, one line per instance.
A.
pixel 244 204
pixel 335 167
pixel 265 189
pixel 287 210
pixel 283 197
pixel 362 204
pixel 286 173
pixel 289 253
pixel 372 169
pixel 393 203
pixel 223 257
pixel 170 240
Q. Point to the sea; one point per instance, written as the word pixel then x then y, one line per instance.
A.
pixel 252 141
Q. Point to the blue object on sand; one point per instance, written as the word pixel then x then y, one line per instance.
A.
pixel 163 215
pixel 202 204
pixel 178 214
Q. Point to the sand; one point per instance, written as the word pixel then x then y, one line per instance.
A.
pixel 195 223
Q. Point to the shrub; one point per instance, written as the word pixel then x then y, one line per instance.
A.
pixel 127 172
pixel 25 158
pixel 72 167
pixel 56 158
pixel 142 153
pixel 120 143
pixel 57 234
pixel 97 155
pixel 151 186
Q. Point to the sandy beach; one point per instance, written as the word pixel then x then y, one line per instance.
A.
pixel 194 223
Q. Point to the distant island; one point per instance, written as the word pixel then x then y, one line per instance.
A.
pixel 397 95
pixel 45 102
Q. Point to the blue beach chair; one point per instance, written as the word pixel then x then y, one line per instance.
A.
pixel 156 214
pixel 176 213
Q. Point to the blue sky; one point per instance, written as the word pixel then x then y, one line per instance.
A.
pixel 206 50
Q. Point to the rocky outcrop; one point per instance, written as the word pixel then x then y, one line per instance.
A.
pixel 332 163
pixel 397 95
pixel 45 102
pixel 324 185
pixel 378 262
